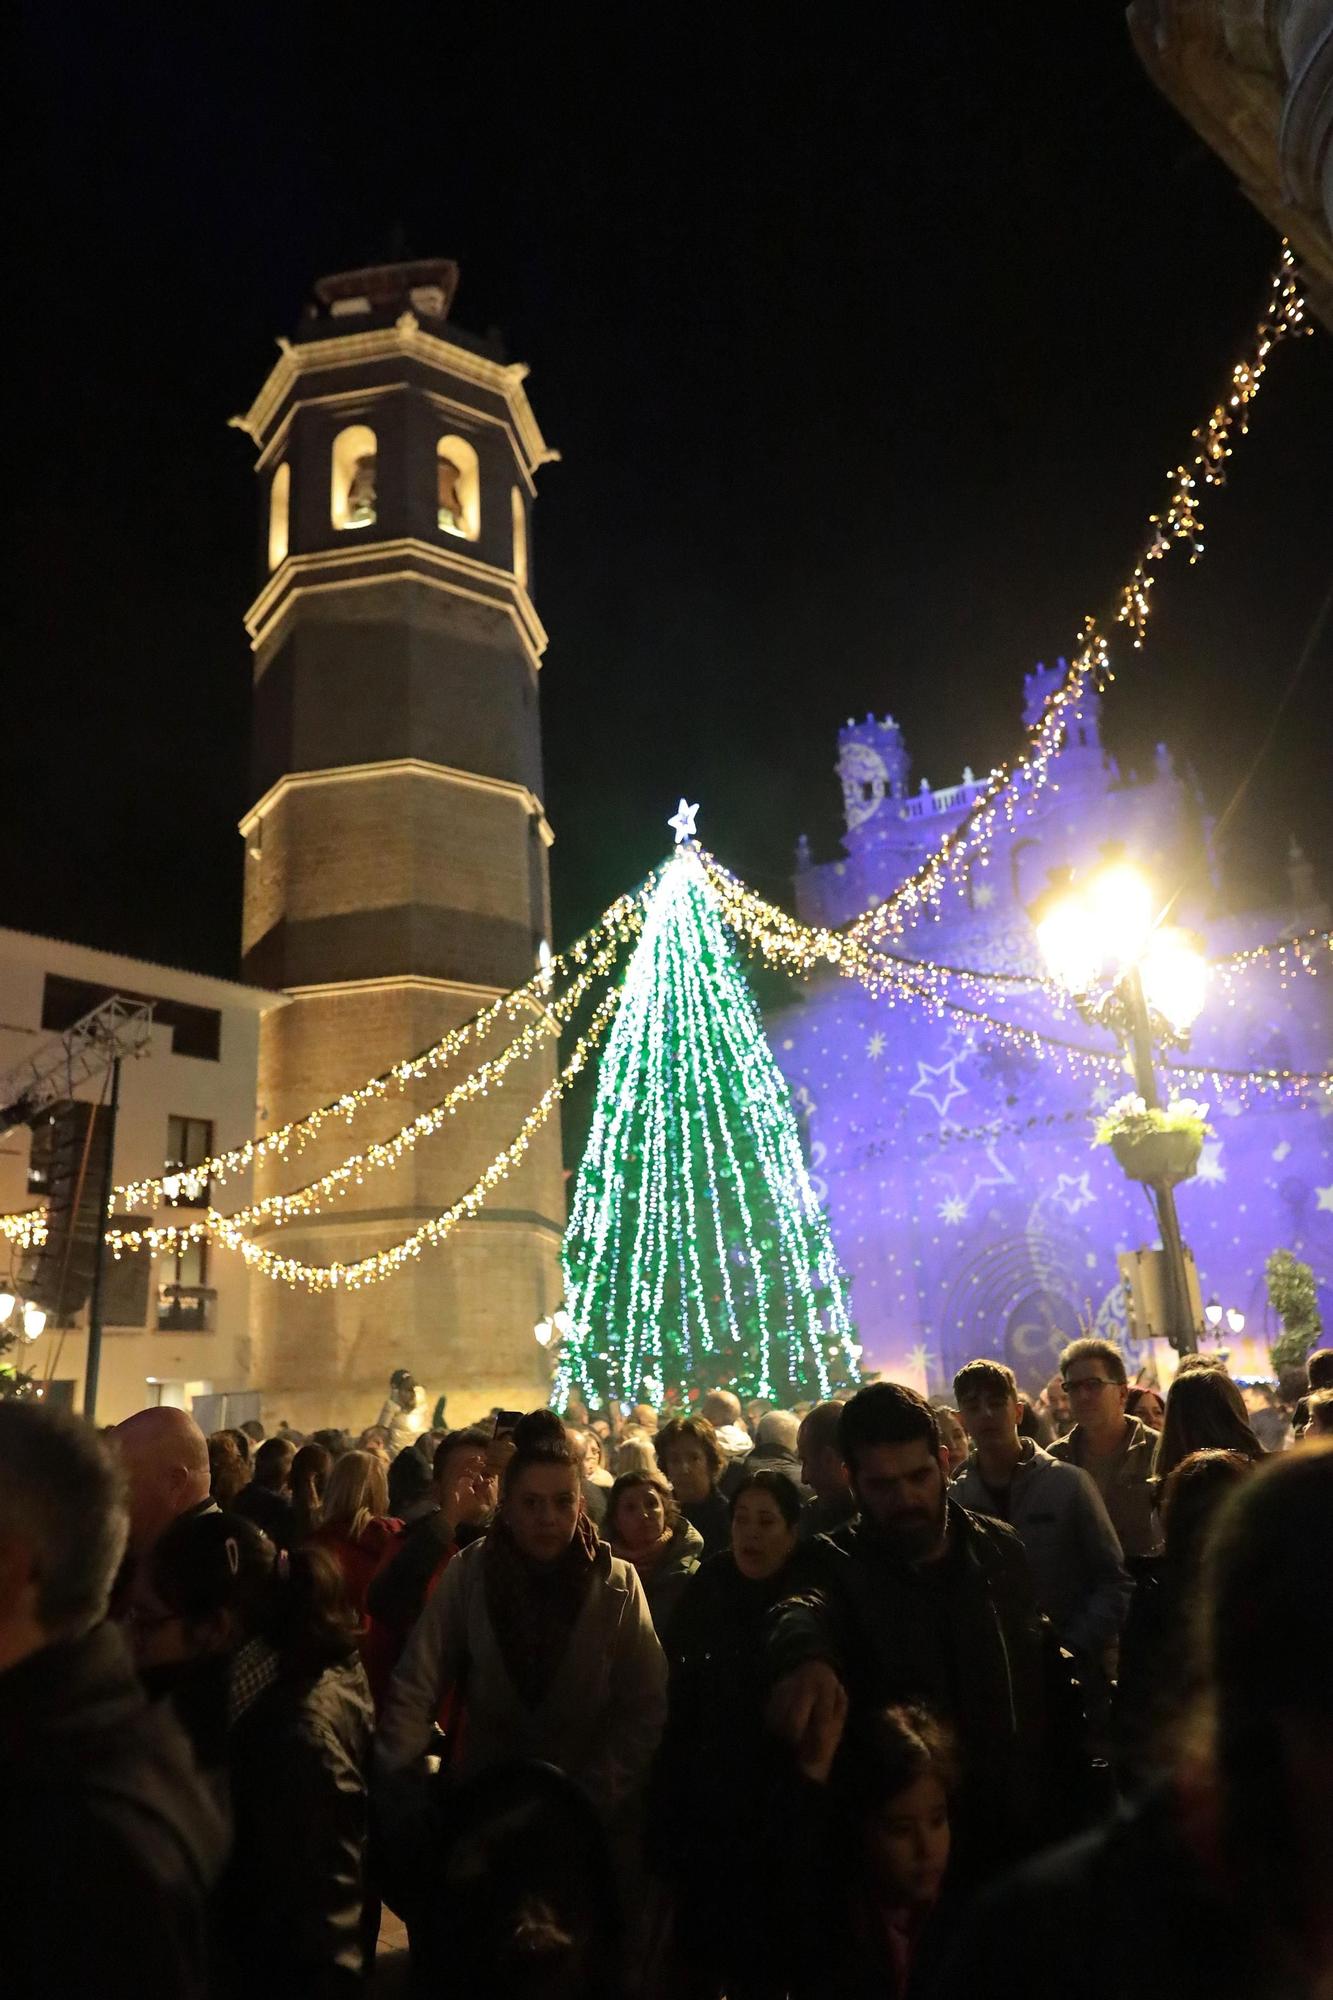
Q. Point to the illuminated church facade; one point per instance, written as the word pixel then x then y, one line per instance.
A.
pixel 968 1206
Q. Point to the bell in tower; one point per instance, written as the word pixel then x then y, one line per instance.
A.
pixel 396 847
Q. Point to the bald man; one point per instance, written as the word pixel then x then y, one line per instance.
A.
pixel 165 1455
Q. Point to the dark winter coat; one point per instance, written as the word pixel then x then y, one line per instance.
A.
pixel 1128 1912
pixel 271 1512
pixel 289 1910
pixel 664 1585
pixel 116 1841
pixel 712 1517
pixel 398 1590
pixel 1159 1675
pixel 717 1765
pixel 963 1636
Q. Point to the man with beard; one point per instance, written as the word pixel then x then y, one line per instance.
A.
pixel 923 1601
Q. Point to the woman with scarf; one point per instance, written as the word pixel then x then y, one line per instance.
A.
pixel 546 1637
pixel 646 1528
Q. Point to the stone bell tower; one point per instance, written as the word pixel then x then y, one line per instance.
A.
pixel 396 850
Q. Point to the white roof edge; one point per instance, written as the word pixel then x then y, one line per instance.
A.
pixel 169 982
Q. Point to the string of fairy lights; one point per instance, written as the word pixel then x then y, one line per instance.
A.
pixel 859 952
pixel 787 944
pixel 1012 786
pixel 385 1263
pixel 619 921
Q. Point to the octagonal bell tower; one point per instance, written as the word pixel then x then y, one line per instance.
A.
pixel 396 849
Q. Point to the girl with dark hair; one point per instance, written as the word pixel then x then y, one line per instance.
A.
pixel 873 1849
pixel 258 1655
pixel 706 1836
pixel 1205 1411
pixel 547 1636
pixel 645 1527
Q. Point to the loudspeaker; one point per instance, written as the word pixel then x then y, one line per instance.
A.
pixel 59 1275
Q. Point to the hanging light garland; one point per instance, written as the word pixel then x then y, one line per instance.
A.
pixel 1178 525
pixel 619 921
pixel 1290 956
pixel 794 947
pixel 384 1263
pixel 386 1153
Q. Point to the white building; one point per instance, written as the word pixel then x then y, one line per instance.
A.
pixel 178 1331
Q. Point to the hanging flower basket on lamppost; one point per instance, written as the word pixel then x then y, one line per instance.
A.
pixel 1160 1145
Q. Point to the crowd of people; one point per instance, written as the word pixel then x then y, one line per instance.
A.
pixel 880 1696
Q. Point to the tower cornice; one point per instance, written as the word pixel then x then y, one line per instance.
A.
pixel 405 340
pixel 397 767
pixel 405 559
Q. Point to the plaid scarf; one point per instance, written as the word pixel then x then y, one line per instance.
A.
pixel 253 1671
pixel 533 1608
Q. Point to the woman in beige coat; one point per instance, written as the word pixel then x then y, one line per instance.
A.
pixel 544 1636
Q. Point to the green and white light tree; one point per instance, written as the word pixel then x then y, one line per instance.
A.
pixel 697 1252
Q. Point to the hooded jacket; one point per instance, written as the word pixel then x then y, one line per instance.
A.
pixel 598 1722
pixel 1057 1513
pixel 1129 1494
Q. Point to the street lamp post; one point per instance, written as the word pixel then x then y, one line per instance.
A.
pixel 1145 982
pixel 1139 1035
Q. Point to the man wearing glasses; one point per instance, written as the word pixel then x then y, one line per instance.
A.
pixel 1115 1450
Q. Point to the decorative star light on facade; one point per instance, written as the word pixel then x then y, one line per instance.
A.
pixel 1325 1196
pixel 1210 1166
pixel 1072 1192
pixel 953 1209
pixel 682 822
pixel 1280 1152
pixel 1102 1096
pixel 926 1084
pixel 983 895
pixel 922 1359
pixel 875 1046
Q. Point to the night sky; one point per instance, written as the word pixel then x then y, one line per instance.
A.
pixel 866 358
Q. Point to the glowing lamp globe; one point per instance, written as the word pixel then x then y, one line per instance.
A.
pixel 7 1305
pixel 1175 977
pixel 1119 903
pixel 1069 941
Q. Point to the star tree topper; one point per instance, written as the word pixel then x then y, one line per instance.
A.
pixel 682 822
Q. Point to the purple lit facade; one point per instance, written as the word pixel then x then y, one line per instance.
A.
pixel 969 1208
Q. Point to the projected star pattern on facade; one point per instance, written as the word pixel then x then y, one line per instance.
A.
pixel 966 1202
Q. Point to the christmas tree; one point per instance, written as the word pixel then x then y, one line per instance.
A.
pixel 697 1253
